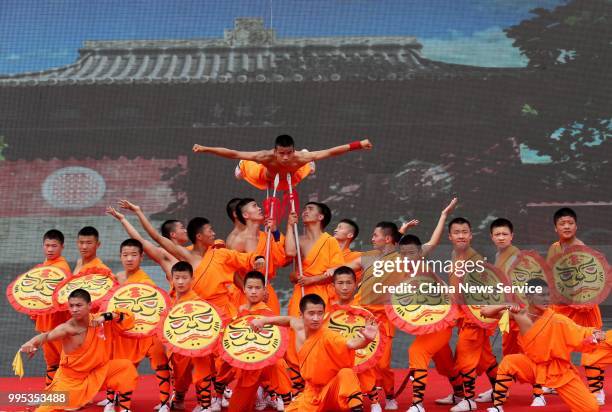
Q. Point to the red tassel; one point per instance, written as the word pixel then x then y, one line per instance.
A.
pixel 272 204
pixel 287 198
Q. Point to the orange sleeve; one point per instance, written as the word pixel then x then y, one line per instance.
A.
pixel 335 346
pixel 128 319
pixel 577 338
pixel 336 257
pixel 237 260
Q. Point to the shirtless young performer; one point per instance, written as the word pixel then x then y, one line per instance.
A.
pixel 260 167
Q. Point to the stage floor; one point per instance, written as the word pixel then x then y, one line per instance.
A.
pixel 145 396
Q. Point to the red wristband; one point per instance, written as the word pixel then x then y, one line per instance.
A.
pixel 356 145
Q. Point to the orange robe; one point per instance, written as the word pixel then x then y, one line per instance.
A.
pixel 95 263
pixel 214 276
pixel 293 365
pixel 277 259
pixel 370 301
pixel 586 315
pixel 324 254
pixel 45 323
pixel 274 378
pixel 83 372
pixel 349 256
pixel 186 369
pixel 136 349
pixel 257 175
pixel 548 346
pixel 368 377
pixel 509 340
pixel 333 387
pixel 473 353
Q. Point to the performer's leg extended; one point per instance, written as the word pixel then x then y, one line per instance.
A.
pixel 517 367
pixel 577 396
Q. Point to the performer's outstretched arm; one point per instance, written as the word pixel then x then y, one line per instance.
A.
pixel 439 230
pixel 59 332
pixel 336 151
pixel 495 311
pixel 258 324
pixel 258 156
pixel 177 251
pixel 149 248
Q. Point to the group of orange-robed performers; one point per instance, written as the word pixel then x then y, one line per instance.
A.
pixel 85 352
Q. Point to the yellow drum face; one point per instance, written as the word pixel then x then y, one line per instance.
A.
pixel 192 328
pixel 474 311
pixel 427 310
pixel 580 276
pixel 148 303
pixel 32 292
pixel 247 349
pixel 98 285
pixel 478 281
pixel 528 265
pixel 480 284
pixel 350 321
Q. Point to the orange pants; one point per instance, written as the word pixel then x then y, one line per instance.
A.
pixel 53 352
pixel 157 359
pixel 200 370
pixel 474 356
pixel 121 377
pixel 385 377
pixel 293 371
pixel 596 362
pixel 257 175
pixel 273 378
pixel 160 364
pixel 519 367
pixel 367 382
pixel 340 394
pixel 422 351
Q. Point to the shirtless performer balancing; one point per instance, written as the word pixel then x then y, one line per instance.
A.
pixel 259 167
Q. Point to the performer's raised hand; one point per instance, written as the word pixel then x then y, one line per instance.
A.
pixel 97 321
pixel 366 144
pixel 257 324
pixel 451 206
pixel 599 335
pixel 514 308
pixel 198 148
pixel 370 330
pixel 408 225
pixel 125 204
pixel 292 219
pixel 259 264
pixel 270 224
pixel 111 211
